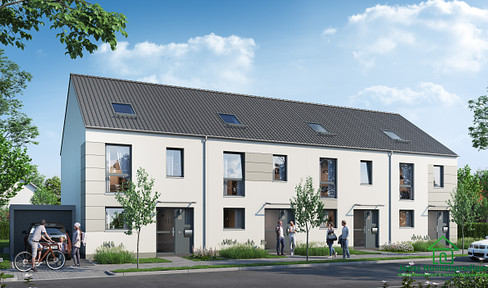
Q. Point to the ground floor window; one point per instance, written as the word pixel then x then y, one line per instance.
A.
pixel 330 216
pixel 406 218
pixel 234 218
pixel 114 219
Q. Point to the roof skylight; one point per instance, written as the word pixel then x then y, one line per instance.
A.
pixel 318 128
pixel 392 135
pixel 122 108
pixel 229 119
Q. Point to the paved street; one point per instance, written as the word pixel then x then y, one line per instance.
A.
pixel 348 274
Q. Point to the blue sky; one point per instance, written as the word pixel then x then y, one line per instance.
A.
pixel 424 60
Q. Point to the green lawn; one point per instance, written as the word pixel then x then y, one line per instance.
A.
pixel 152 260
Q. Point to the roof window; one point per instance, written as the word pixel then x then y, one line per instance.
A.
pixel 229 119
pixel 318 128
pixel 392 135
pixel 122 108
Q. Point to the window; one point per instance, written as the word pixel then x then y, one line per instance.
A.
pixel 114 219
pixel 366 172
pixel 229 119
pixel 118 167
pixel 174 162
pixel 279 167
pixel 328 178
pixel 330 216
pixel 392 135
pixel 438 176
pixel 123 108
pixel 406 181
pixel 318 128
pixel 406 218
pixel 233 174
pixel 234 218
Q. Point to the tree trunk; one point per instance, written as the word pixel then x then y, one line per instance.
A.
pixel 306 226
pixel 462 241
pixel 138 233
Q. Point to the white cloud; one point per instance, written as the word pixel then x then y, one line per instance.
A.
pixel 427 93
pixel 210 61
pixel 449 36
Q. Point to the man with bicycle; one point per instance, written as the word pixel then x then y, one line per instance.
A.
pixel 35 237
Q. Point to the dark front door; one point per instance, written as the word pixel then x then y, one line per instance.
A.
pixel 271 217
pixel 174 230
pixel 366 228
pixel 438 224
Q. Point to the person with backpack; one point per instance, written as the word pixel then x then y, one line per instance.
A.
pixel 76 244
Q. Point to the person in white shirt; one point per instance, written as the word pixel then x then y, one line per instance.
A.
pixel 38 234
pixel 280 238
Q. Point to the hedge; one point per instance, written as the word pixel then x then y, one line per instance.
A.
pixel 4 230
pixel 480 231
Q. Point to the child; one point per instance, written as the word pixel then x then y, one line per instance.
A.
pixel 61 244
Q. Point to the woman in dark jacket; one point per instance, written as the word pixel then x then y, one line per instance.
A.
pixel 330 231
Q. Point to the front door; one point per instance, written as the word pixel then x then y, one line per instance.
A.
pixel 438 224
pixel 271 217
pixel 174 230
pixel 366 228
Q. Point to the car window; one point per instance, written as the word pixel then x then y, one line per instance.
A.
pixel 54 231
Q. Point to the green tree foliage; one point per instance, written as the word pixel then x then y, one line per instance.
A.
pixel 14 124
pixel 35 177
pixel 139 204
pixel 48 193
pixel 15 164
pixel 44 196
pixel 466 203
pixel 307 207
pixel 78 23
pixel 479 130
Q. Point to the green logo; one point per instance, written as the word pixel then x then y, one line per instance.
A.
pixel 445 255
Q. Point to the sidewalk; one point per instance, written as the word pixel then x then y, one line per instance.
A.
pixel 89 269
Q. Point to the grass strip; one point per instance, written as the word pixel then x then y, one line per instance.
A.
pixel 263 264
pixel 151 260
pixel 5 276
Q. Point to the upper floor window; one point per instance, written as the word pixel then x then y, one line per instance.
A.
pixel 279 167
pixel 406 181
pixel 123 108
pixel 438 176
pixel 233 174
pixel 406 218
pixel 229 119
pixel 174 162
pixel 114 219
pixel 366 172
pixel 328 178
pixel 118 167
pixel 234 218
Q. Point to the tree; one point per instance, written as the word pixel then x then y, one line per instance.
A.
pixel 14 124
pixel 15 164
pixel 466 201
pixel 44 196
pixel 479 130
pixel 307 207
pixel 139 206
pixel 78 23
pixel 53 184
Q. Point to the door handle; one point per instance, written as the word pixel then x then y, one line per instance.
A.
pixel 173 232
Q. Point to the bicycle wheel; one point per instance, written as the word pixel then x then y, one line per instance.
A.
pixel 55 260
pixel 23 261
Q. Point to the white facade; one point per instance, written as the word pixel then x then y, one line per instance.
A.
pixel 83 180
pixel 24 195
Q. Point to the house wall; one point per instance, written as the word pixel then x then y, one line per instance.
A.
pixel 73 138
pixel 23 196
pixel 149 152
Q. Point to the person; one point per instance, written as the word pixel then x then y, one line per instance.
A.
pixel 330 231
pixel 280 238
pixel 76 244
pixel 61 244
pixel 38 234
pixel 291 234
pixel 345 241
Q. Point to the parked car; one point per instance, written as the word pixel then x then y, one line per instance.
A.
pixel 478 250
pixel 55 231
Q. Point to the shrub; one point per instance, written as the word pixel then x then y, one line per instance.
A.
pixel 480 231
pixel 467 241
pixel 205 254
pixel 314 249
pixel 241 250
pixel 404 246
pixel 108 253
pixel 4 223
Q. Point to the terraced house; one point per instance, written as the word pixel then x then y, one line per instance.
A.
pixel 227 165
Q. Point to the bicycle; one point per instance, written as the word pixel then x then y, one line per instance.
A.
pixel 55 259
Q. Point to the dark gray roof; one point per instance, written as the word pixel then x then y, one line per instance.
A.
pixel 186 111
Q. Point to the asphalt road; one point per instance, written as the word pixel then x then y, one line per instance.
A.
pixel 357 275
